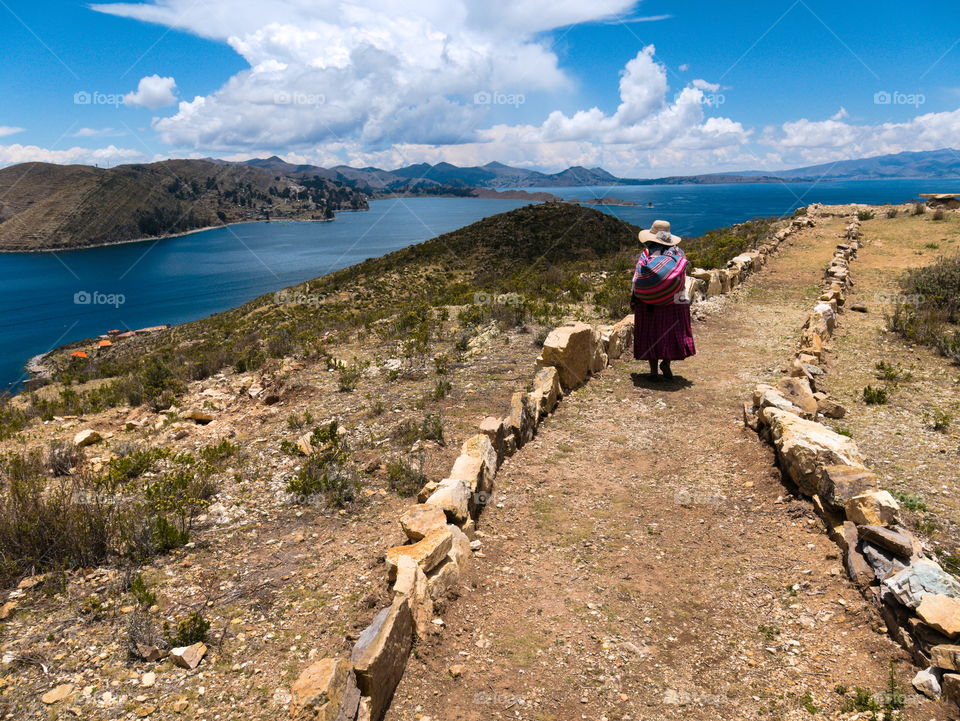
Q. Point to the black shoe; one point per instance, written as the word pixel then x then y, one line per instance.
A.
pixel 665 369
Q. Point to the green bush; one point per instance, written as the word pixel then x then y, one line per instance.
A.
pixel 864 215
pixel 404 479
pixel 930 310
pixel 919 208
pixel 892 212
pixel 327 471
pixel 875 396
pixel 430 428
pixel 190 630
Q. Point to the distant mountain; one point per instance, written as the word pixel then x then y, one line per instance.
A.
pixel 47 206
pixel 933 164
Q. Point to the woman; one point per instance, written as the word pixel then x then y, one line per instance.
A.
pixel 662 331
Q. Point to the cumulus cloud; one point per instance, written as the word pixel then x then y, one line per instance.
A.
pixel 152 92
pixel 97 133
pixel 10 130
pixel 818 141
pixel 111 155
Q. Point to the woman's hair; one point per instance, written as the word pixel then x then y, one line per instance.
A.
pixel 652 245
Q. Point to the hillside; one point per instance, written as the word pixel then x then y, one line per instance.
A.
pixel 50 206
pixel 931 164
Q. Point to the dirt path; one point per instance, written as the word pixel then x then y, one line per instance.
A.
pixel 644 560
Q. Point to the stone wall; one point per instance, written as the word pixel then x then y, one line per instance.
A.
pixel 440 529
pixel 918 600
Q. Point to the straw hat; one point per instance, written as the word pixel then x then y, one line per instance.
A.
pixel 659 233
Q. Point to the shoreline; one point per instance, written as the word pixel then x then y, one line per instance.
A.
pixel 173 235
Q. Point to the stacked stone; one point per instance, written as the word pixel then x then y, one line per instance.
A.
pixel 441 527
pixel 918 601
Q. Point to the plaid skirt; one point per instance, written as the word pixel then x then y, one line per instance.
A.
pixel 662 332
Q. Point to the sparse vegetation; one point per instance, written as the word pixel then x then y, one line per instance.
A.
pixel 933 320
pixel 892 372
pixel 430 428
pixel 864 215
pixel 403 478
pixel 875 396
pixel 189 630
pixel 327 472
pixel 938 214
pixel 892 213
pixel 909 501
pixel 919 208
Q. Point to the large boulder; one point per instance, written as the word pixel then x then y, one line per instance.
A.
pixel 325 691
pixel 427 552
pixel 805 447
pixel 86 437
pixel 922 578
pixel 523 418
pixel 412 583
pixel 476 464
pixel 873 508
pixel 800 394
pixel 454 497
pixel 381 652
pixel 495 429
pixel 571 350
pixel 600 359
pixel 546 386
pixel 840 483
pixel 419 520
pixel 940 612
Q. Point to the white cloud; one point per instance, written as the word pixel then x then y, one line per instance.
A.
pixel 684 68
pixel 152 92
pixel 97 133
pixel 111 155
pixel 840 114
pixel 10 130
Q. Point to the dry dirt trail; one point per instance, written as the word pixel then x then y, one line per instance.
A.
pixel 645 561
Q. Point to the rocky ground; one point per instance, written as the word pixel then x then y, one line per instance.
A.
pixel 642 558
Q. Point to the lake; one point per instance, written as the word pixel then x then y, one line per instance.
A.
pixel 49 299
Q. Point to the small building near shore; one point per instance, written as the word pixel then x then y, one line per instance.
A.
pixel 79 354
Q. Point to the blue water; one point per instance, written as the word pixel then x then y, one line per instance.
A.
pixel 695 209
pixel 183 279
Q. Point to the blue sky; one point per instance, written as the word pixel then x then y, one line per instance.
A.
pixel 643 89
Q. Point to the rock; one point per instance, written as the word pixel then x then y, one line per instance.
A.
pixel 750 418
pixel 941 612
pixel 571 350
pixel 476 464
pixel 951 687
pixel 428 490
pixel 460 551
pixel 599 360
pixel 325 691
pixel 305 444
pixel 858 569
pixel 922 577
pixel 874 508
pixel 380 654
pixel 188 657
pixel 453 496
pixel 859 308
pixel 522 420
pixel 412 583
pixel 443 579
pixel 7 609
pixel 928 682
pixel 151 653
pixel 546 382
pixel 427 553
pixel 495 429
pixel 882 561
pixel 417 521
pixel 61 692
pixel 830 408
pixel 86 437
pixel 840 483
pixel 946 657
pixel 148 679
pixel 364 711
pixel 805 447
pixel 898 543
pixel 620 338
pixel 198 416
pixel 758 392
pixel 773 399
pixel 457 670
pixel 800 394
